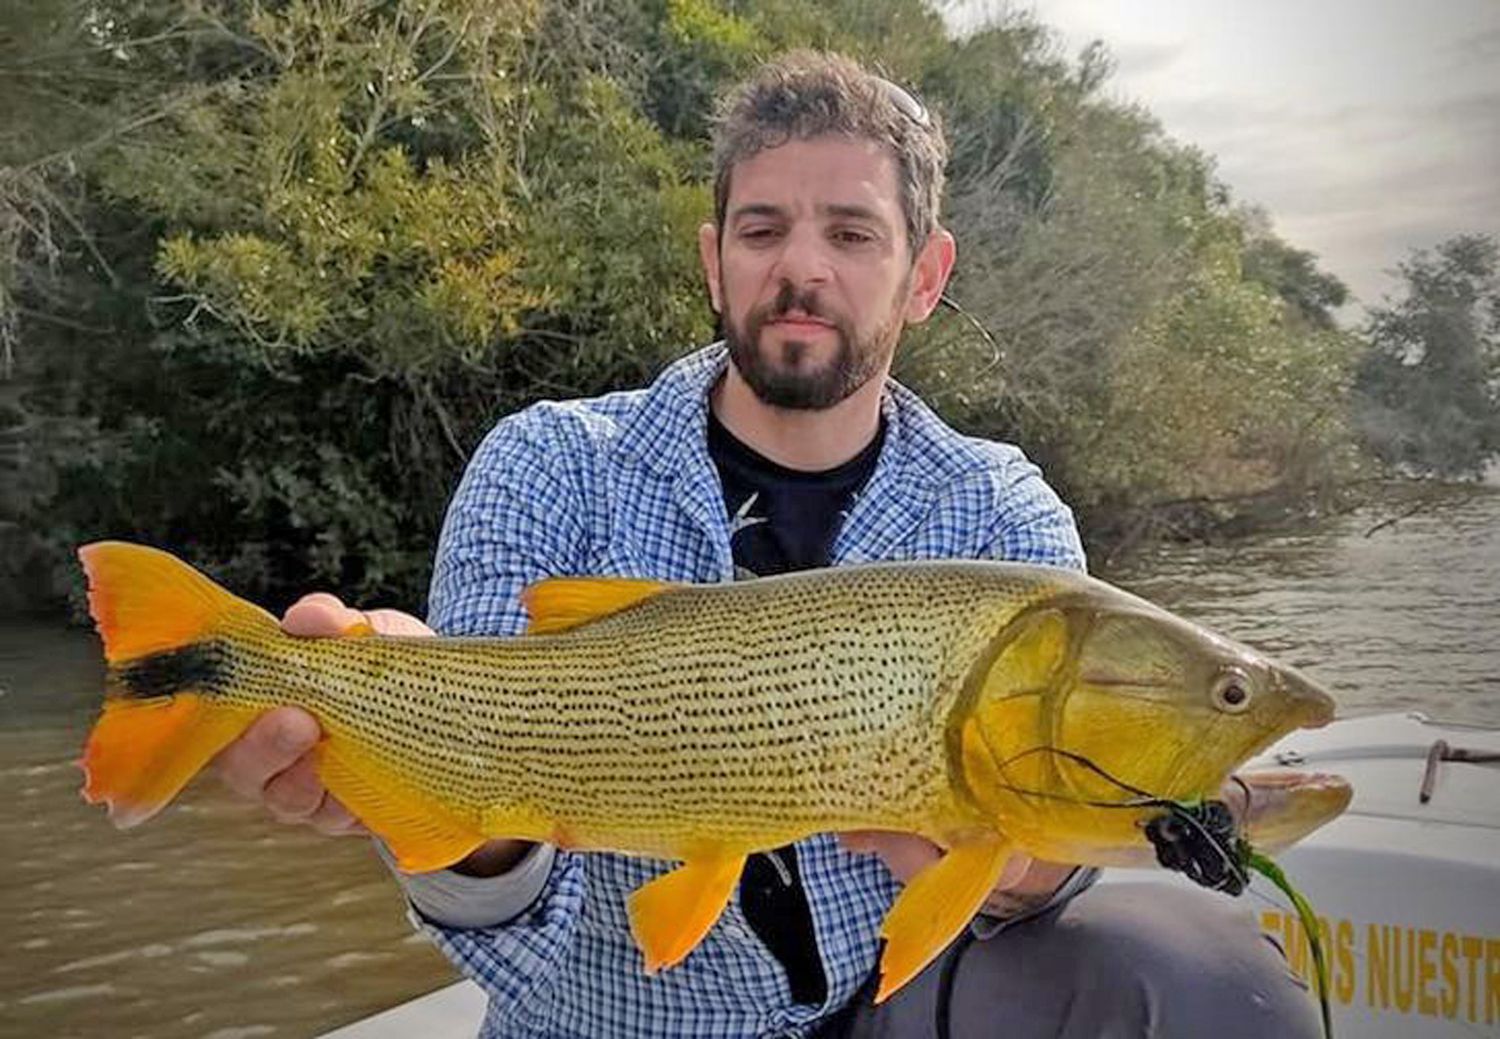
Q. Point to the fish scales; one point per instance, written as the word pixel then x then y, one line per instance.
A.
pixel 815 702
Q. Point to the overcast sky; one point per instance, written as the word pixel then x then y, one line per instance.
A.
pixel 1365 127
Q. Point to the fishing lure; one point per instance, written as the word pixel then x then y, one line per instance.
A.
pixel 1198 839
pixel 1253 859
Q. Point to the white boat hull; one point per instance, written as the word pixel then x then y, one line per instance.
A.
pixel 1407 893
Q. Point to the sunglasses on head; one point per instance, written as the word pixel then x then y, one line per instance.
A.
pixel 908 104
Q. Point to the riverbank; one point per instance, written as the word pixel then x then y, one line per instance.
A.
pixel 1115 535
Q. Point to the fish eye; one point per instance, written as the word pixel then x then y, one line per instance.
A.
pixel 1231 692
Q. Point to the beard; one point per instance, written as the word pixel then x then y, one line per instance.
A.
pixel 783 377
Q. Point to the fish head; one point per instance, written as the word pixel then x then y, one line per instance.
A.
pixel 1091 703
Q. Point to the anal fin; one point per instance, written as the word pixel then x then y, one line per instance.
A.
pixel 422 832
pixel 670 915
pixel 934 907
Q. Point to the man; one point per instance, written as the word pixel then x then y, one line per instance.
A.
pixel 786 447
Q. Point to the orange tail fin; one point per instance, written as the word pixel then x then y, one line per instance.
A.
pixel 169 635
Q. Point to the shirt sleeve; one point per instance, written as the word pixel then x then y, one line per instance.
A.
pixel 450 899
pixel 518 960
pixel 1031 523
pixel 513 520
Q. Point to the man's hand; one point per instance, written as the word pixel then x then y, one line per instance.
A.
pixel 1027 882
pixel 1024 884
pixel 272 761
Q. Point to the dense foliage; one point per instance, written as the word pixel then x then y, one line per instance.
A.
pixel 1429 387
pixel 269 270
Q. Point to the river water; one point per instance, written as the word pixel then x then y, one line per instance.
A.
pixel 1388 613
pixel 212 922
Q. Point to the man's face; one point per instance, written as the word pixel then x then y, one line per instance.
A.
pixel 811 270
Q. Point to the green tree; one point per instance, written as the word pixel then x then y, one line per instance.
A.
pixel 1291 273
pixel 1429 386
pixel 1147 354
pixel 269 271
pixel 345 241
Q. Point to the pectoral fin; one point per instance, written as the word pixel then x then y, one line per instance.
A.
pixel 670 915
pixel 935 906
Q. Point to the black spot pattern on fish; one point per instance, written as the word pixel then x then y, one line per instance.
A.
pixel 204 667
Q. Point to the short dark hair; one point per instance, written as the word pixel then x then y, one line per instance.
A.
pixel 805 94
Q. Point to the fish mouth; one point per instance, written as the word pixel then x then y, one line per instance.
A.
pixel 1282 807
pixel 1207 840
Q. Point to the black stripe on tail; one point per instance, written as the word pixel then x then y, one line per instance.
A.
pixel 202 667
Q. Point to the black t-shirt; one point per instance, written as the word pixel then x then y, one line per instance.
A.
pixel 782 520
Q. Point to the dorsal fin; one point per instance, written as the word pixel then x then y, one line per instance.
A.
pixel 564 603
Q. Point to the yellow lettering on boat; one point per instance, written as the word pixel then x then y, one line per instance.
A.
pixel 1426 973
pixel 1377 961
pixel 1449 998
pixel 1395 969
pixel 1342 967
pixel 1403 967
pixel 1492 962
pixel 1473 949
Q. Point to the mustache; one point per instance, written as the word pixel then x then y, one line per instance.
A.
pixel 788 298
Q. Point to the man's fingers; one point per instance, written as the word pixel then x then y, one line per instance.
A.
pixel 299 796
pixel 296 793
pixel 394 622
pixel 334 819
pixel 1016 871
pixel 904 854
pixel 861 842
pixel 270 762
pixel 270 746
pixel 320 615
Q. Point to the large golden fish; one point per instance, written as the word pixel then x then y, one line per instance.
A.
pixel 991 707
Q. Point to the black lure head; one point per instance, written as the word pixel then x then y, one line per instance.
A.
pixel 1200 841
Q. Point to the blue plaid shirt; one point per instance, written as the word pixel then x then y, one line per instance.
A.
pixel 623 484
